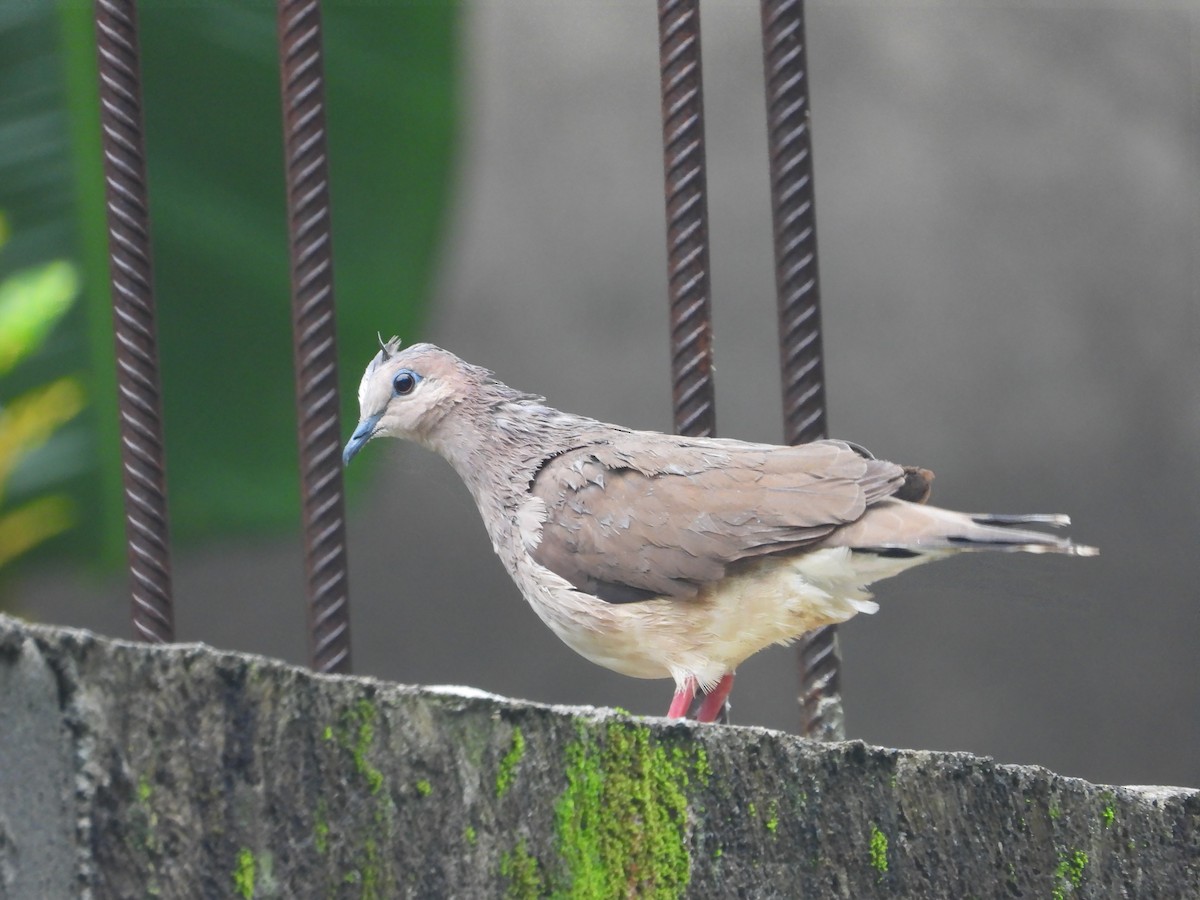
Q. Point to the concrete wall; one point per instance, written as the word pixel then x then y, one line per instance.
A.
pixel 128 770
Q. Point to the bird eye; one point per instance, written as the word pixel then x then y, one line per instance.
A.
pixel 404 382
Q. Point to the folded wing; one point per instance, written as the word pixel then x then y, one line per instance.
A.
pixel 648 515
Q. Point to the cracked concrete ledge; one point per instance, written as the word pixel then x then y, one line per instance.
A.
pixel 129 770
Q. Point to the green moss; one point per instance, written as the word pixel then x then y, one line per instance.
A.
pixel 508 765
pixel 243 874
pixel 355 733
pixel 772 822
pixel 145 819
pixel 692 761
pixel 368 876
pixel 524 875
pixel 143 835
pixel 879 848
pixel 1069 873
pixel 1055 811
pixel 321 829
pixel 364 715
pixel 424 788
pixel 622 821
pixel 371 877
pixel 1109 814
pixel 1071 866
pixel 703 771
pixel 752 808
pixel 469 835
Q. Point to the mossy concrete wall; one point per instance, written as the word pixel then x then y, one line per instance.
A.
pixel 131 771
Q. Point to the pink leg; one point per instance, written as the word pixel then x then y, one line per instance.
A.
pixel 682 699
pixel 715 699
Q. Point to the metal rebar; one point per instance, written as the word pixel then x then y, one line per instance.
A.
pixel 139 395
pixel 799 307
pixel 313 335
pixel 686 184
pixel 687 216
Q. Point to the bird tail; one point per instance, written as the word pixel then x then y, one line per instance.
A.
pixel 899 528
pixel 996 531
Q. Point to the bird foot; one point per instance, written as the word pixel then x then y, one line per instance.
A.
pixel 713 707
pixel 709 708
pixel 682 700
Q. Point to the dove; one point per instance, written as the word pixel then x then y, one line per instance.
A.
pixel 663 556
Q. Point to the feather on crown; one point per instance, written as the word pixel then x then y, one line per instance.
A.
pixel 386 350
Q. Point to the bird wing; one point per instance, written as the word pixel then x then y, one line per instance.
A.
pixel 643 515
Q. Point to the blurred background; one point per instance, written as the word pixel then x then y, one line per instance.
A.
pixel 1009 211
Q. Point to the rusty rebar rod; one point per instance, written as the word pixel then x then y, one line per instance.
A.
pixel 139 395
pixel 686 191
pixel 799 307
pixel 313 335
pixel 687 217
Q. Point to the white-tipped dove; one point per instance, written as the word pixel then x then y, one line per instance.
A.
pixel 662 556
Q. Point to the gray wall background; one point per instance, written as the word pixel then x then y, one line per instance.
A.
pixel 1009 213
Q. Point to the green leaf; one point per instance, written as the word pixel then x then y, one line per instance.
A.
pixel 31 303
pixel 27 422
pixel 39 520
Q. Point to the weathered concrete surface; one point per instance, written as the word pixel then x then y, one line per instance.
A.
pixel 128 770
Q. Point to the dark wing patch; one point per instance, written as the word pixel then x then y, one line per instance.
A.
pixel 659 516
pixel 918 485
pixel 612 592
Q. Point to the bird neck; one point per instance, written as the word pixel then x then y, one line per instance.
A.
pixel 497 447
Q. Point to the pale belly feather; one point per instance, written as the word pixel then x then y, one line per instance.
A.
pixel 773 601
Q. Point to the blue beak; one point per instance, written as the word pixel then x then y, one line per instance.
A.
pixel 362 434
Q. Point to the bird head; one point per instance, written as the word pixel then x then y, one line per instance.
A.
pixel 406 393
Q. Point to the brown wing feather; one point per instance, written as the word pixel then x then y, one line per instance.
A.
pixel 655 515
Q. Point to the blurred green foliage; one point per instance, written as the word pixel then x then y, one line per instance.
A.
pixel 218 220
pixel 32 302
